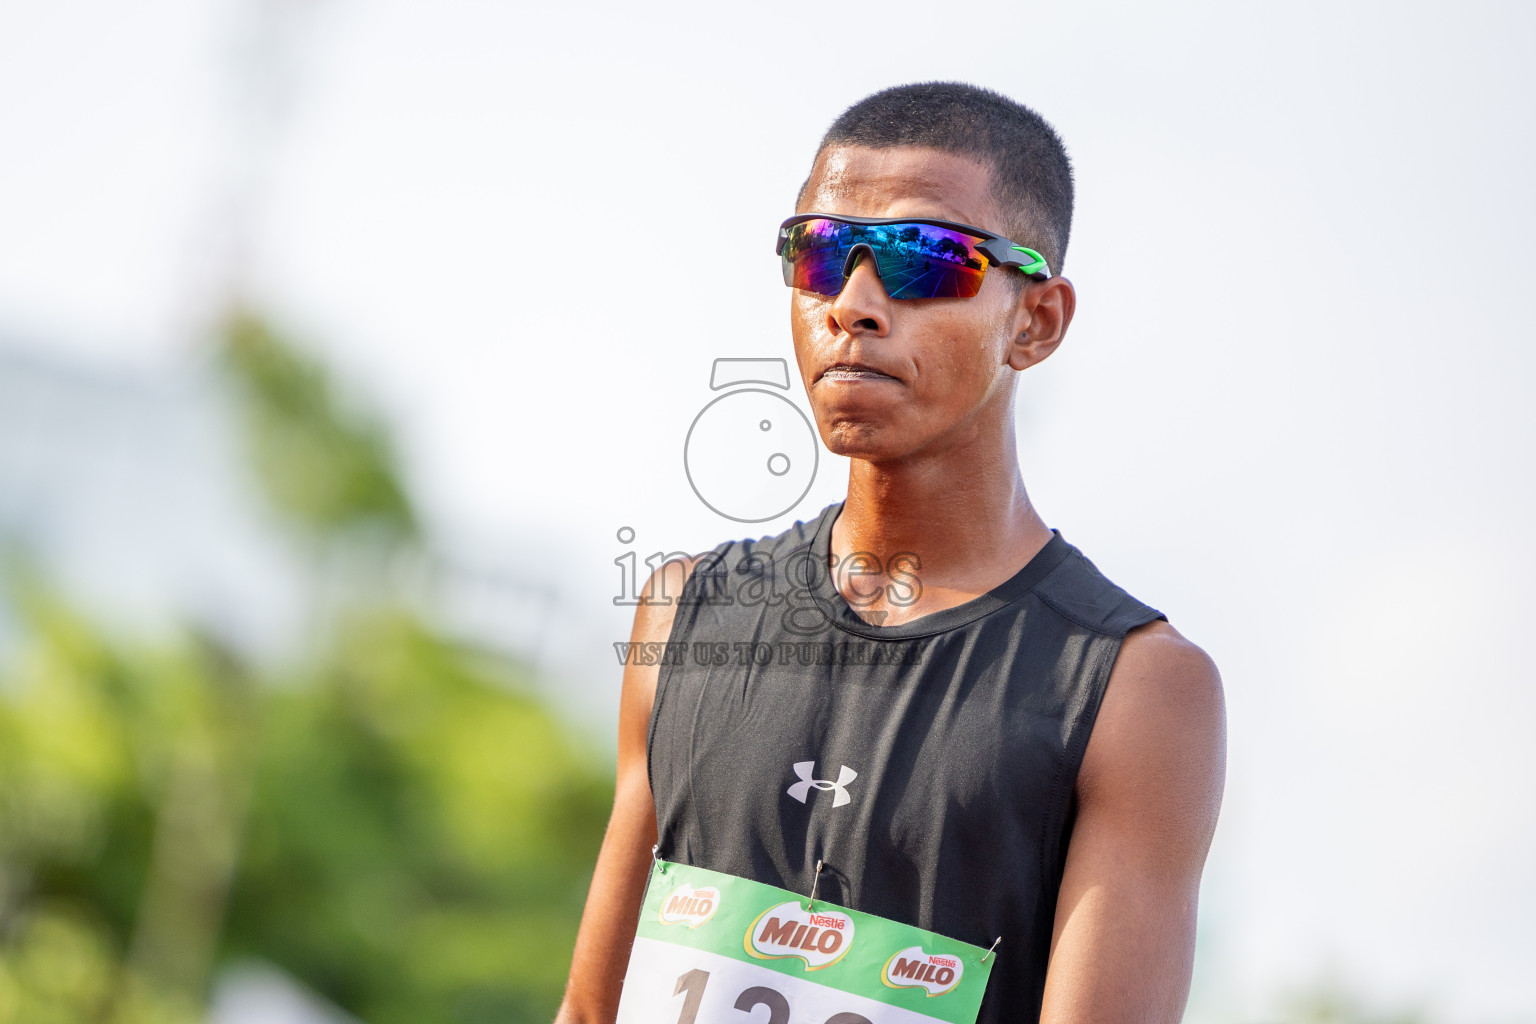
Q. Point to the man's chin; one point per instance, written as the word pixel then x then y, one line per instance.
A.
pixel 868 442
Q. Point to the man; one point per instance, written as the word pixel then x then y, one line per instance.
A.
pixel 975 731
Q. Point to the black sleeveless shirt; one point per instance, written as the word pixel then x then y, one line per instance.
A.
pixel 930 765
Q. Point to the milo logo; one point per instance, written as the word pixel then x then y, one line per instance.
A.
pixel 820 938
pixel 690 906
pixel 912 968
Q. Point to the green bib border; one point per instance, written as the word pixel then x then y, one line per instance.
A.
pixel 860 970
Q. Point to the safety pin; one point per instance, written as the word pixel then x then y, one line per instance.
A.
pixel 656 861
pixel 994 946
pixel 816 881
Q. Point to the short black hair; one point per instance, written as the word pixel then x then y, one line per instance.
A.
pixel 1031 174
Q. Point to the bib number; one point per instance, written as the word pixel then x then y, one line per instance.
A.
pixel 693 983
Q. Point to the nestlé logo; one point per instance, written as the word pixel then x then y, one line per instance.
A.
pixel 690 906
pixel 912 968
pixel 820 938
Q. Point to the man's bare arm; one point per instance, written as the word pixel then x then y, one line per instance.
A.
pixel 613 901
pixel 1148 795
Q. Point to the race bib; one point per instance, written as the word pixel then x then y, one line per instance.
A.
pixel 716 949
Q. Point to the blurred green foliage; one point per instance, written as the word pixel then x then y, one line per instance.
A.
pixel 323 466
pixel 428 860
pixel 394 820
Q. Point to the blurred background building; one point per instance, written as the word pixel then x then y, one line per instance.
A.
pixel 126 484
pixel 325 419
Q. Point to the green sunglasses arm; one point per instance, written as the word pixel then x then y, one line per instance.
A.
pixel 1001 251
pixel 1037 266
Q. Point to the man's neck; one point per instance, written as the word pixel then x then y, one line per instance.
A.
pixel 968 521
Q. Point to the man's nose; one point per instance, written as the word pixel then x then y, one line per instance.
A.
pixel 863 305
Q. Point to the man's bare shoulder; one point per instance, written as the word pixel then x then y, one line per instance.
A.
pixel 657 609
pixel 1159 665
pixel 1162 722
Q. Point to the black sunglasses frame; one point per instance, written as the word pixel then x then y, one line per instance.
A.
pixel 998 250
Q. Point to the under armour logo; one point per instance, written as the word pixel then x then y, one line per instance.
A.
pixel 806 769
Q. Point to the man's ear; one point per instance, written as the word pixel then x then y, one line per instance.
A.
pixel 1044 313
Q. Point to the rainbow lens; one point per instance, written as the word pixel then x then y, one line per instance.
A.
pixel 915 261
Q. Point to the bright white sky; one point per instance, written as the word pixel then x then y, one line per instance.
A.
pixel 1293 411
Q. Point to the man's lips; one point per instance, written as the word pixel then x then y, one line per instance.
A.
pixel 852 372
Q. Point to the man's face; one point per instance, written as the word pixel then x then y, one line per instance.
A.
pixel 940 371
